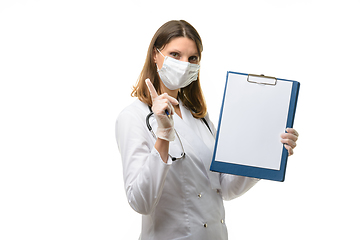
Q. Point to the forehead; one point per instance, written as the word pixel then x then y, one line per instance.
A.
pixel 182 44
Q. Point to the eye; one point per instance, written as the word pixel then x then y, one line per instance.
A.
pixel 175 55
pixel 193 59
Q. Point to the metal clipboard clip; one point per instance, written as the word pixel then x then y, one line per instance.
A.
pixel 266 80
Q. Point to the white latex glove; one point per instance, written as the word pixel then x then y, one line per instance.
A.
pixel 161 103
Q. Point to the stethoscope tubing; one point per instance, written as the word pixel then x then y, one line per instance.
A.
pixel 154 135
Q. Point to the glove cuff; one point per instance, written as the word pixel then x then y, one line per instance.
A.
pixel 167 134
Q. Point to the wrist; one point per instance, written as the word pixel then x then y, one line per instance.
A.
pixel 167 134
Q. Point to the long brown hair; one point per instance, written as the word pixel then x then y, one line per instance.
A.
pixel 192 95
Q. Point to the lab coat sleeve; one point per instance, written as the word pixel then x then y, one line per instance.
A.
pixel 233 186
pixel 143 169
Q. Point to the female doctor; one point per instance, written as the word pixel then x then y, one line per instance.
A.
pixel 166 138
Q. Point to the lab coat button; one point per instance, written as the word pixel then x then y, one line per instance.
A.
pixel 205 225
pixel 199 195
pixel 222 221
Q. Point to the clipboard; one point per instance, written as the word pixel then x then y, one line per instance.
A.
pixel 255 110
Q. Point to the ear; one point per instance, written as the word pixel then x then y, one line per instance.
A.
pixel 154 54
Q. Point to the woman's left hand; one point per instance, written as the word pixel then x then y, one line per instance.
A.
pixel 289 139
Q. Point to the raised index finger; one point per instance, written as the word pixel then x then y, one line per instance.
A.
pixel 151 88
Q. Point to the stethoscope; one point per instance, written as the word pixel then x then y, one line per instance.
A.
pixel 154 135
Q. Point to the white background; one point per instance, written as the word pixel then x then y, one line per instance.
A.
pixel 67 69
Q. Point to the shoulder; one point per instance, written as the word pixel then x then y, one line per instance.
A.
pixel 132 119
pixel 210 123
pixel 134 115
pixel 136 109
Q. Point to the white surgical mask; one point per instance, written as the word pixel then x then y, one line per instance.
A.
pixel 176 74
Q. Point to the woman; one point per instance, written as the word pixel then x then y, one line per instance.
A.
pixel 166 175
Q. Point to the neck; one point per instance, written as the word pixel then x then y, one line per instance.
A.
pixel 172 93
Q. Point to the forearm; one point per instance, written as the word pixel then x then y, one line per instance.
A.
pixel 234 186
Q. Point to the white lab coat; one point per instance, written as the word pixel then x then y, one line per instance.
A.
pixel 180 199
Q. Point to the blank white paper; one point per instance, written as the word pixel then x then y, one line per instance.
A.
pixel 253 117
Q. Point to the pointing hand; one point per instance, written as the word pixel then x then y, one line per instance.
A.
pixel 159 105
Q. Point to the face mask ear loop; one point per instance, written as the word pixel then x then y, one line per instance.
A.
pixel 161 55
pixel 160 52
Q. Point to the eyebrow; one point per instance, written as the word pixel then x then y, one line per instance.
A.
pixel 176 50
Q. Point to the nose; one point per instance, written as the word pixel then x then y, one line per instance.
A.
pixel 184 59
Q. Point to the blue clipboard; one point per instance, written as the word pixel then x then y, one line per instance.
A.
pixel 255 110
